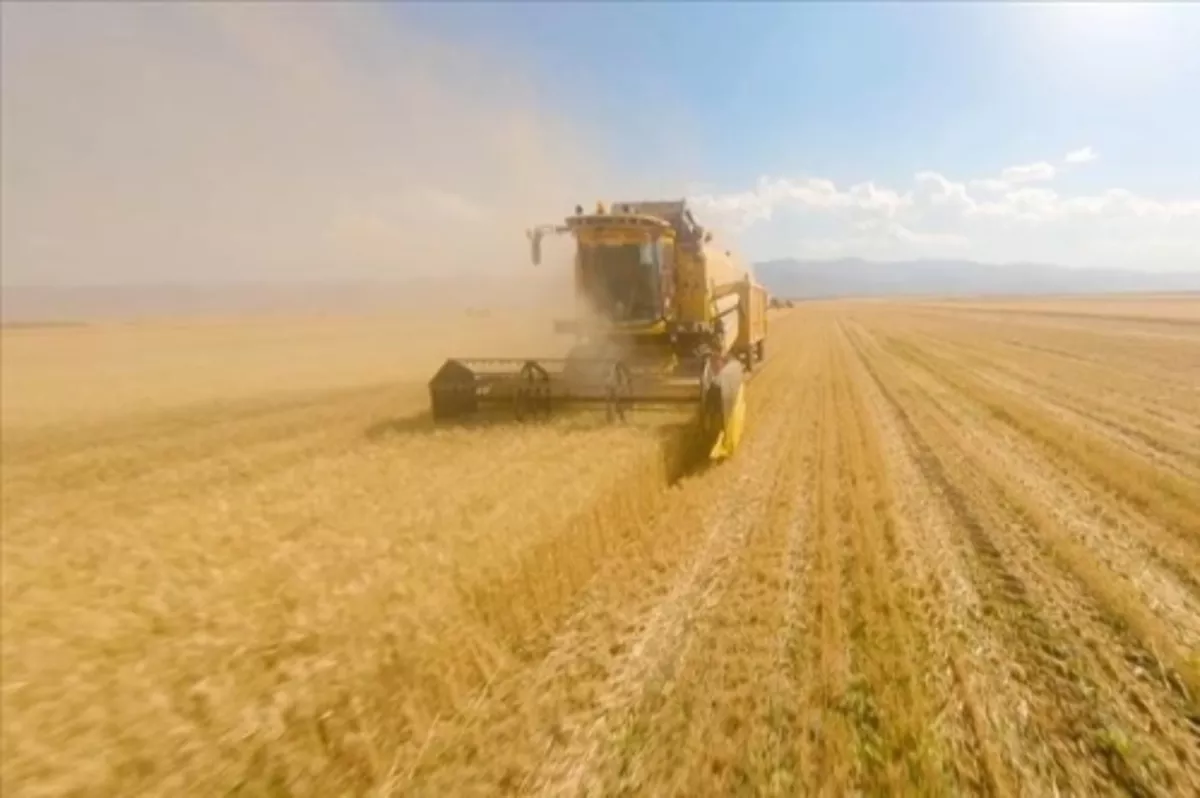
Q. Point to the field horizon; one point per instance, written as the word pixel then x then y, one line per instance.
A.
pixel 549 288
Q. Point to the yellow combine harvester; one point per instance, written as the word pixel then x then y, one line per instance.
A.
pixel 664 317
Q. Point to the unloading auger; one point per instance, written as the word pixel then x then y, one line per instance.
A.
pixel 664 317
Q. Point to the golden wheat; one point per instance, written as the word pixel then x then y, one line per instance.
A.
pixel 957 553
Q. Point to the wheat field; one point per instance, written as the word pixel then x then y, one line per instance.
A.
pixel 957 553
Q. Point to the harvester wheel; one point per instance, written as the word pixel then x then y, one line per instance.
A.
pixel 712 416
pixel 747 358
pixel 760 350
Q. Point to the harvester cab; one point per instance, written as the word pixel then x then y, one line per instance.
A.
pixel 662 317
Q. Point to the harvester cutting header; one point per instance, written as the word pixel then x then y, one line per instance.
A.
pixel 663 317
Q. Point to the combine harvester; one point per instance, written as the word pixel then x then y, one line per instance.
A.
pixel 663 317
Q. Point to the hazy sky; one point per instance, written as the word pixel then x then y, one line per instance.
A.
pixel 155 142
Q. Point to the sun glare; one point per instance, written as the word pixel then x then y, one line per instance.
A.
pixel 1117 44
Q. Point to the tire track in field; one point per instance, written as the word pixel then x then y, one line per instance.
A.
pixel 827 741
pixel 1162 387
pixel 664 635
pixel 1170 551
pixel 1129 407
pixel 1132 545
pixel 986 749
pixel 893 699
pixel 1069 491
pixel 1127 348
pixel 1170 499
pixel 1146 398
pixel 1059 708
pixel 1073 409
pixel 656 647
pixel 868 719
pixel 789 749
pixel 1088 359
pixel 1134 535
pixel 1170 583
pixel 1135 732
pixel 519 734
pixel 714 724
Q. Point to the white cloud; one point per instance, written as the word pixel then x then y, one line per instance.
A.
pixel 1012 176
pixel 941 191
pixel 991 184
pixel 738 210
pixel 1082 155
pixel 1029 204
pixel 989 219
pixel 869 197
pixel 1029 173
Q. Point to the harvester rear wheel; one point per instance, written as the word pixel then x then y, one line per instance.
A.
pixel 712 416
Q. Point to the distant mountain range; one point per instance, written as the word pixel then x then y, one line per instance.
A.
pixel 818 279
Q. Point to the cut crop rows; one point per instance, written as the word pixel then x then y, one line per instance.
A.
pixel 957 553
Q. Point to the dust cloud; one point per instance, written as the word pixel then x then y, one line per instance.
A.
pixel 277 145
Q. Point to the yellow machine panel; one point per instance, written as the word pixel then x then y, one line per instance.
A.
pixel 664 315
pixel 694 301
pixel 722 267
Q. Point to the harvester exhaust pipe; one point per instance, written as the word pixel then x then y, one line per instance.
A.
pixel 535 236
pixel 535 246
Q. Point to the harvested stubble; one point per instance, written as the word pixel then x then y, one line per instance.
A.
pixel 955 555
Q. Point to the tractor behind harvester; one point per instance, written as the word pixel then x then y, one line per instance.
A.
pixel 663 317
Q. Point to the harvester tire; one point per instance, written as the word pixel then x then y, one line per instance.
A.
pixel 712 417
pixel 747 358
pixel 760 351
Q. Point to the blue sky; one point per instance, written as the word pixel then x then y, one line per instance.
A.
pixel 863 91
pixel 272 141
pixel 854 92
